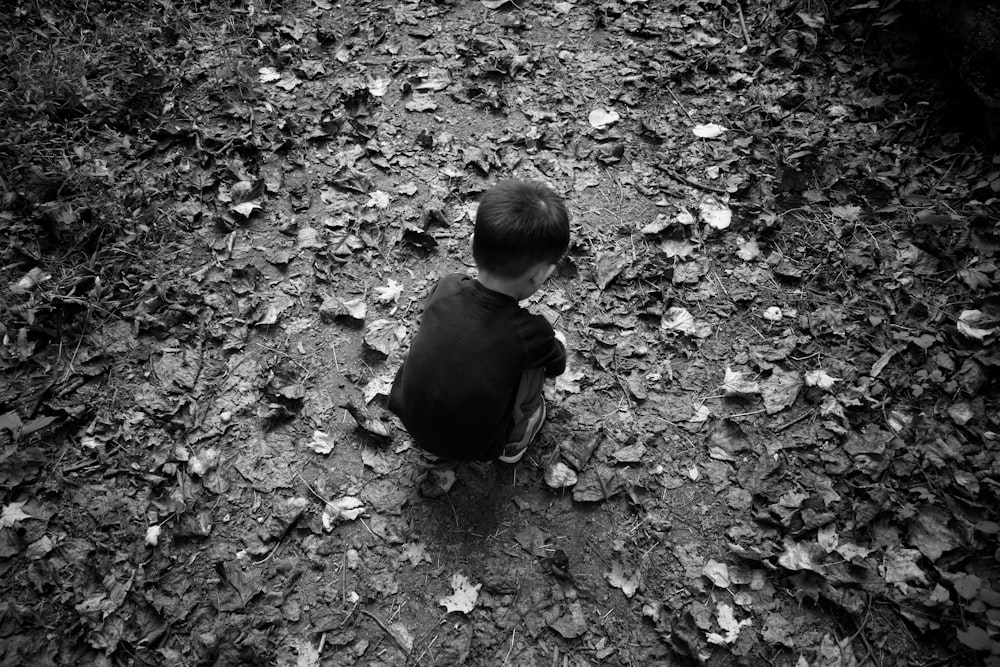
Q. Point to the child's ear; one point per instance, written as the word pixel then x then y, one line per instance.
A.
pixel 549 270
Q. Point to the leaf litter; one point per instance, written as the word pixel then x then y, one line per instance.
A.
pixel 776 442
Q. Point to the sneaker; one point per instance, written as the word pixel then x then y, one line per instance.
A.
pixel 514 451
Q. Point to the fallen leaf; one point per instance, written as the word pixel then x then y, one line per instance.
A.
pixel 715 213
pixel 204 462
pixel 322 443
pixel 976 638
pixel 416 553
pixel 402 635
pixel 748 250
pixel 390 293
pixel 600 118
pixel 821 379
pixel 899 567
pixel 679 319
pixel 772 314
pixel 384 336
pixel 308 237
pixel 572 624
pixel 437 482
pixel 347 508
pixel 421 102
pixel 972 323
pixel 568 382
pixel 378 386
pixel 246 208
pixel 617 577
pixel 559 475
pixel 709 131
pixel 465 595
pixel 609 265
pixel 274 310
pixel 717 573
pixel 12 513
pixel 378 199
pixel 334 307
pixel 735 385
pixel 931 533
pixel 307 655
pixel 432 80
pixel 269 74
pixel 726 619
pixel 780 390
pixel 799 556
pixel 630 454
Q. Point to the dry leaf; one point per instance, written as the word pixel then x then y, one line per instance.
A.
pixel 748 249
pixel 572 624
pixel 772 314
pixel 820 379
pixel 378 386
pixel 709 131
pixel 322 443
pixel 717 573
pixel 559 475
pixel 600 118
pixel 347 508
pixel 463 600
pixel 384 336
pixel 973 323
pixel 12 513
pixel 726 619
pixel 780 390
pixel 609 265
pixel 390 293
pixel 715 213
pixel 617 577
pixel 416 553
pixel 734 385
pixel 679 319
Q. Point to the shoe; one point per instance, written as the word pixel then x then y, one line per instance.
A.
pixel 514 451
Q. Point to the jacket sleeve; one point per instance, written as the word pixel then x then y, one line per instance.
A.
pixel 541 349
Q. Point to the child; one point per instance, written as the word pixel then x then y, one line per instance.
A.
pixel 470 388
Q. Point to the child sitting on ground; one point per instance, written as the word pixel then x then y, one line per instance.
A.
pixel 470 388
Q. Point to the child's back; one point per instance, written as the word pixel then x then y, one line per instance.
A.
pixel 470 387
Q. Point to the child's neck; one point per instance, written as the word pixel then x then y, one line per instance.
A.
pixel 519 288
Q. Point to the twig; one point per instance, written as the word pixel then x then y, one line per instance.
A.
pixel 268 556
pixel 387 631
pixel 687 181
pixel 343 579
pixel 804 415
pixel 511 649
pixel 743 23
pixel 312 490
pixel 747 414
pixel 681 105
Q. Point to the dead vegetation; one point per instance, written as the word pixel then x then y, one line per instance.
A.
pixel 777 439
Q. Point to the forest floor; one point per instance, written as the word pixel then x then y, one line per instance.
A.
pixel 777 440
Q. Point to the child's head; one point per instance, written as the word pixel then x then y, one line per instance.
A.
pixel 519 226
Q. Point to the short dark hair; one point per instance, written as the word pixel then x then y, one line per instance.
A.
pixel 519 224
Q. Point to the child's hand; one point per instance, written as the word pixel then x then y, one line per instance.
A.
pixel 561 337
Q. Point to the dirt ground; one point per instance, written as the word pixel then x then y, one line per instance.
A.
pixel 776 441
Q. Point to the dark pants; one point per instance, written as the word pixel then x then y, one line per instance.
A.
pixel 526 404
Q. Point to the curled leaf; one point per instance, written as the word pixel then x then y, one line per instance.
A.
pixel 559 475
pixel 709 131
pixel 347 508
pixel 600 118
